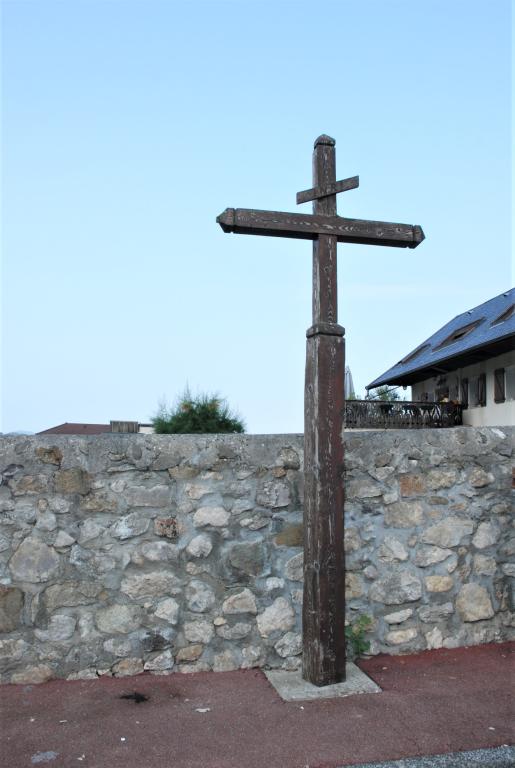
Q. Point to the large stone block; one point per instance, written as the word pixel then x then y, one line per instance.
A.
pixel 11 603
pixel 167 527
pixel 392 550
pixel 434 639
pixel 200 546
pixel 141 496
pixel 60 628
pixel 395 588
pixel 426 556
pixel 70 593
pixel 217 517
pixel 290 536
pixel 486 535
pixel 273 494
pixel 484 565
pixel 118 619
pixel 294 568
pixel 74 480
pixel 235 632
pixel 399 616
pixel 431 613
pixel 168 610
pixel 473 603
pixel 241 602
pixel 248 557
pixel 159 551
pixel 51 455
pixel 403 514
pixel 189 653
pixel 34 562
pixel 290 644
pixel 288 458
pixel 478 478
pixel 412 485
pixel 352 540
pixel 131 525
pixel 439 583
pixel 353 586
pixel 224 662
pixel 38 673
pixel 199 631
pixel 63 539
pixel 278 616
pixel 97 502
pixel 448 533
pixel 154 584
pixel 89 530
pixel 161 662
pixel 46 521
pixel 13 649
pixel 363 489
pixel 441 478
pixel 401 636
pixel 127 667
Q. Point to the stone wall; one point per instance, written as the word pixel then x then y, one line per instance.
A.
pixel 124 553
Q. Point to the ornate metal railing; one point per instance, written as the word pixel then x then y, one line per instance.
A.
pixel 401 414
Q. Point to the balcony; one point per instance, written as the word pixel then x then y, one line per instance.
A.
pixel 401 414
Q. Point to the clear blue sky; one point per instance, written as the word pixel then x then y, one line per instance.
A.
pixel 129 125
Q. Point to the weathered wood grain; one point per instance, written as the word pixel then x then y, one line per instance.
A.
pixel 323 609
pixel 330 189
pixel 305 226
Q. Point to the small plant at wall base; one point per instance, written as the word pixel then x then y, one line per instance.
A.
pixel 203 414
pixel 355 635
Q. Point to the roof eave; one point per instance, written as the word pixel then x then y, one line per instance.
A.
pixel 447 364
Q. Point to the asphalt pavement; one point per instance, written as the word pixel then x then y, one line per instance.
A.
pixel 432 705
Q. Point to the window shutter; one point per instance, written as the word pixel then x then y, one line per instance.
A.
pixel 481 389
pixel 509 380
pixel 499 386
pixel 465 393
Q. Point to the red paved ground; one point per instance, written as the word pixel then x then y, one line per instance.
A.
pixel 433 702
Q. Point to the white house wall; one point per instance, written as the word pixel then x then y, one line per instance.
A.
pixel 492 414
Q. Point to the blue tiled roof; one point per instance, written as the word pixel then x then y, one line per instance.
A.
pixel 441 346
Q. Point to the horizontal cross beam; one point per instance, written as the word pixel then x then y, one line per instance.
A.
pixel 304 226
pixel 315 193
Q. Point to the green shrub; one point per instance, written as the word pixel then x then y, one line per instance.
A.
pixel 355 635
pixel 203 414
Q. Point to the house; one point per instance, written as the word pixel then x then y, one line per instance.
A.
pixel 470 360
pixel 73 428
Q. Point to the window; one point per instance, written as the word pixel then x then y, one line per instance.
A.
pixel 481 389
pixel 458 334
pixel 499 386
pixel 465 393
pixel 505 315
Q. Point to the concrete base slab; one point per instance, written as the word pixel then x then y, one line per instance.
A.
pixel 291 687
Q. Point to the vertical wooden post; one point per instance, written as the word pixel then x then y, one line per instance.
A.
pixel 323 616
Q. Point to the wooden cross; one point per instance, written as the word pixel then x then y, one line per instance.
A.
pixel 323 613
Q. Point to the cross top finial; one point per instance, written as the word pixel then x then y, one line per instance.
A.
pixel 325 139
